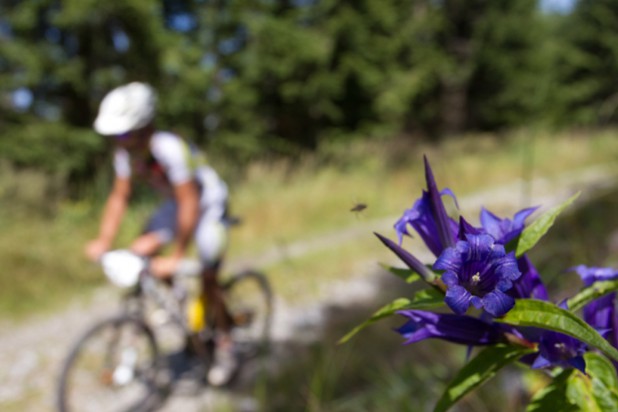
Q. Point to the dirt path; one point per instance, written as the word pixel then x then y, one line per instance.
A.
pixel 30 353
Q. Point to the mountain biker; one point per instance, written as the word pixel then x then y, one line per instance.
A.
pixel 194 206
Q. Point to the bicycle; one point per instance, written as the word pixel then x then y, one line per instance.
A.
pixel 117 364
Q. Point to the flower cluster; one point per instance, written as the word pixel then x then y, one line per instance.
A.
pixel 486 268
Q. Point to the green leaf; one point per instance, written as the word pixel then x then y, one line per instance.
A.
pixel 604 381
pixel 595 291
pixel 408 275
pixel 546 315
pixel 579 393
pixel 533 233
pixel 423 299
pixel 478 371
pixel 553 397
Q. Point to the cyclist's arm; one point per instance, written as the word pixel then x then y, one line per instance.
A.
pixel 115 207
pixel 187 198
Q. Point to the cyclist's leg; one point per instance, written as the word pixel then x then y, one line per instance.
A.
pixel 158 231
pixel 214 296
pixel 211 240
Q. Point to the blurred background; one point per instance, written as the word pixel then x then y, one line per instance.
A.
pixel 308 108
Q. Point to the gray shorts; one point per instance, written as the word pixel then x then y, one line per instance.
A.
pixel 210 235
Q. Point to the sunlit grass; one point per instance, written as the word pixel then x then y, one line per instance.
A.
pixel 280 203
pixel 284 203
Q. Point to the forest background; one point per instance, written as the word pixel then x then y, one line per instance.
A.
pixel 257 79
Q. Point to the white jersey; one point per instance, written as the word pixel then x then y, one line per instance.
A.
pixel 171 161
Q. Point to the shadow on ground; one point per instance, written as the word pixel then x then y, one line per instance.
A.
pixel 373 371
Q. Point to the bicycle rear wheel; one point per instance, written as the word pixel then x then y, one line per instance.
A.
pixel 249 301
pixel 112 367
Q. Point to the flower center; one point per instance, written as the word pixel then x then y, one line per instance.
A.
pixel 475 279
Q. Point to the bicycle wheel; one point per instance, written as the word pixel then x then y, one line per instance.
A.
pixel 249 301
pixel 112 367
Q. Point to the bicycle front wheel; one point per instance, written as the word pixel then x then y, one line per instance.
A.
pixel 112 367
pixel 249 301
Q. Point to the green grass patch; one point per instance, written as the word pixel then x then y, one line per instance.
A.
pixel 281 203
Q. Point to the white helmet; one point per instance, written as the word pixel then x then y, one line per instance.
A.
pixel 126 108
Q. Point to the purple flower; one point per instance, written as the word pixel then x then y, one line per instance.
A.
pixel 478 271
pixel 428 217
pixel 504 230
pixel 407 258
pixel 591 274
pixel 529 284
pixel 601 315
pixel 557 349
pixel 465 330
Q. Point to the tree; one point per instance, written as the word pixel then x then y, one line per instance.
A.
pixel 588 66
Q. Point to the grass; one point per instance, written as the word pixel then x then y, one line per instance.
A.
pixel 282 203
pixel 281 206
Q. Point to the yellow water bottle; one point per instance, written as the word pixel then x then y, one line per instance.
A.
pixel 196 313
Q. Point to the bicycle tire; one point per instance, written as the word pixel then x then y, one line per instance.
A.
pixel 248 294
pixel 125 380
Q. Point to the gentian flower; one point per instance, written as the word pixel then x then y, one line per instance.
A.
pixel 529 284
pixel 504 230
pixel 410 260
pixel 478 271
pixel 593 274
pixel 428 217
pixel 601 315
pixel 421 219
pixel 557 349
pixel 465 330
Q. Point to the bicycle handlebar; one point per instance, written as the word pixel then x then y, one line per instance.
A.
pixel 123 267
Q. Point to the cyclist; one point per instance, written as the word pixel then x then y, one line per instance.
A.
pixel 194 206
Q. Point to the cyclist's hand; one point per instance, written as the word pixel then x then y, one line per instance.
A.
pixel 95 249
pixel 164 267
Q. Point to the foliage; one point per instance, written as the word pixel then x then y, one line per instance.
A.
pixel 257 78
pixel 588 63
pixel 488 267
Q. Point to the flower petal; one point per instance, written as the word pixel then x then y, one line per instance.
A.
pixel 541 362
pixel 407 258
pixel 593 274
pixel 497 303
pixel 521 216
pixel 491 223
pixel 450 278
pixel 529 284
pixel 480 246
pixel 453 328
pixel 450 260
pixel 437 208
pixel 458 299
pixel 578 363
